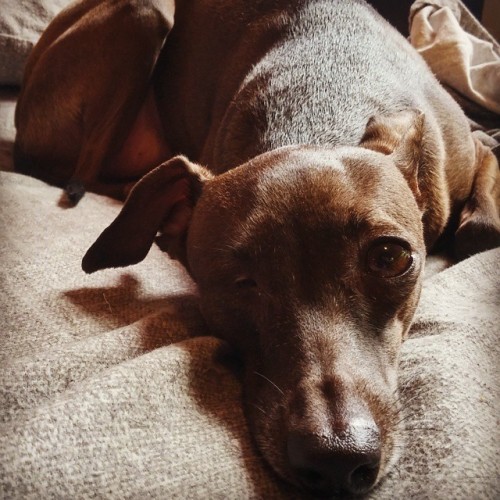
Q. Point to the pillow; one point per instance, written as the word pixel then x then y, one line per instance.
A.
pixel 21 24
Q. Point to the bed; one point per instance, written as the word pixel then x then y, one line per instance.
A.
pixel 112 387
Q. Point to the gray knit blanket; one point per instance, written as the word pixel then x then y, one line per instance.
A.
pixel 111 387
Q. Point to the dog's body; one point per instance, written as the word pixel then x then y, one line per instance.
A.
pixel 308 256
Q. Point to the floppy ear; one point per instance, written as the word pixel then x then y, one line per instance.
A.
pixel 162 200
pixel 399 135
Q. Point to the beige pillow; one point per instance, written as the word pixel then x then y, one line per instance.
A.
pixel 21 24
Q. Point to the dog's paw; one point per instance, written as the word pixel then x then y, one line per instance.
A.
pixel 74 191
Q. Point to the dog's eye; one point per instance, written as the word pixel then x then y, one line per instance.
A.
pixel 245 283
pixel 389 259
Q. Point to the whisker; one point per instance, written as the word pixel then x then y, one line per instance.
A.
pixel 423 429
pixel 405 403
pixel 270 381
pixel 403 419
pixel 107 302
pixel 404 406
pixel 259 408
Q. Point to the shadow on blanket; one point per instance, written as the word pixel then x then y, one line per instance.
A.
pixel 106 305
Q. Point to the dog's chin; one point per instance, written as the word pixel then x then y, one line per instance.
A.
pixel 273 451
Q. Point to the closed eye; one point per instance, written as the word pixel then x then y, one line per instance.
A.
pixel 245 283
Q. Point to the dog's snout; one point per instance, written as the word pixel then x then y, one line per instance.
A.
pixel 345 461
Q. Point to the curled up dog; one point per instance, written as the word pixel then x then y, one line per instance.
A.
pixel 333 161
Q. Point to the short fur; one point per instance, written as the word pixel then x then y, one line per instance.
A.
pixel 325 137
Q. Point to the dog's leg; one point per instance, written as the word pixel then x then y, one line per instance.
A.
pixel 479 227
pixel 84 86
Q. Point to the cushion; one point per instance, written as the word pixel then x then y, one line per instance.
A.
pixel 21 24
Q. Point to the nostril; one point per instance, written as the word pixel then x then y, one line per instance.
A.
pixel 305 458
pixel 363 478
pixel 339 461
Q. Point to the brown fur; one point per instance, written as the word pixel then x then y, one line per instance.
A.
pixel 282 241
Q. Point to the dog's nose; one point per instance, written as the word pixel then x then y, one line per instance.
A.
pixel 344 461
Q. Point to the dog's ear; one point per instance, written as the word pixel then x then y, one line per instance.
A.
pixel 163 200
pixel 399 135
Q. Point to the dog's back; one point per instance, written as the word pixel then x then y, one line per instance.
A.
pixel 311 72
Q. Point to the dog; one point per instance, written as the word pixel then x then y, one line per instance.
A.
pixel 308 161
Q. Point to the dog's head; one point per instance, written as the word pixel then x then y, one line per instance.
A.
pixel 309 262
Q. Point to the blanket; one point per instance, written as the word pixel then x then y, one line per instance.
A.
pixel 111 387
pixel 462 54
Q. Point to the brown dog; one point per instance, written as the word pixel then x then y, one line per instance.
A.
pixel 335 161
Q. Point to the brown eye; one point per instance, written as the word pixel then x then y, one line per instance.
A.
pixel 388 259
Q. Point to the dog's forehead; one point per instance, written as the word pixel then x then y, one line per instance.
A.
pixel 297 177
pixel 301 194
pixel 301 179
pixel 289 167
pixel 337 192
pixel 290 161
